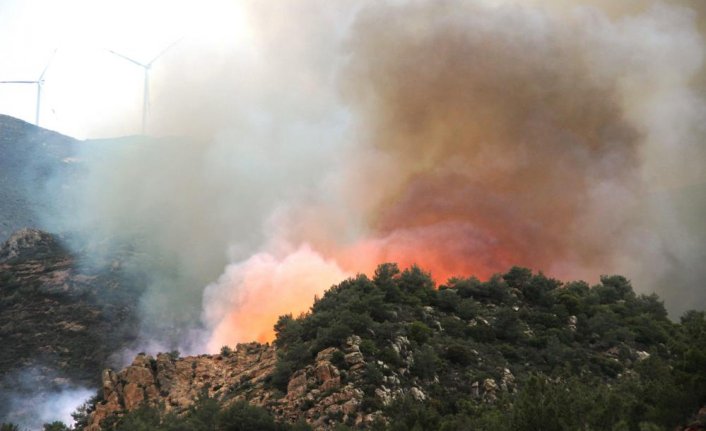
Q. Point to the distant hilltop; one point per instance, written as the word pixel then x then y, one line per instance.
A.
pixel 31 156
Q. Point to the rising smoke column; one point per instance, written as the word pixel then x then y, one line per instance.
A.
pixel 463 136
pixel 491 136
pixel 500 144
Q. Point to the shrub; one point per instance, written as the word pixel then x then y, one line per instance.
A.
pixel 447 300
pixel 368 348
pixel 426 362
pixel 419 332
pixel 459 354
pixel 338 359
pixel 55 426
pixel 241 416
pixel 141 419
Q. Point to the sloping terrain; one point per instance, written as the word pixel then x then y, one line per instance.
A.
pixel 29 157
pixel 520 351
pixel 60 320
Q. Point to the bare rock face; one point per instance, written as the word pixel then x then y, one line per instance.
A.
pixel 490 388
pixel 26 241
pixel 176 383
pixel 297 386
pixel 315 393
pixel 507 382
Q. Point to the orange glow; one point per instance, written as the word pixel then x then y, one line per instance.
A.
pixel 263 288
pixel 366 255
pixel 469 167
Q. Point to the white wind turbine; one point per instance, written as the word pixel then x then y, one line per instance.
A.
pixel 146 66
pixel 39 82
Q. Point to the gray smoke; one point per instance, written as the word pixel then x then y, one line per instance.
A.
pixel 566 136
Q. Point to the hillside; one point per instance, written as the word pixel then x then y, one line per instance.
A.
pixel 60 319
pixel 33 162
pixel 520 351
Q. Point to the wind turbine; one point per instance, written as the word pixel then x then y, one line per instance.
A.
pixel 39 82
pixel 146 66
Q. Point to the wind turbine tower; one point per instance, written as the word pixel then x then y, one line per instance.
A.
pixel 146 90
pixel 39 82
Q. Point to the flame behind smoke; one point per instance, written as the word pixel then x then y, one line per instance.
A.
pixel 497 136
pixel 462 136
pixel 250 295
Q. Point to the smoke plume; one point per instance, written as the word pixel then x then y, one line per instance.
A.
pixel 462 136
pixel 38 396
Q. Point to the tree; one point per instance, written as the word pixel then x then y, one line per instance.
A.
pixel 241 416
pixel 613 288
pixel 143 418
pixel 426 362
pixel 517 277
pixel 419 332
pixel 55 426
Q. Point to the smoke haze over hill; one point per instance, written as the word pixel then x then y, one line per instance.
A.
pixel 461 136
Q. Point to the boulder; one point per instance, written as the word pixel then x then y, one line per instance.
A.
pixel 417 394
pixel 297 385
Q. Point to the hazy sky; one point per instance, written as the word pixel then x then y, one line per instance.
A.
pixel 89 92
pixel 455 134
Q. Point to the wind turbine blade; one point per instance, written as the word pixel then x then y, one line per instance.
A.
pixel 164 51
pixel 41 77
pixel 18 82
pixel 128 58
pixel 39 102
pixel 145 100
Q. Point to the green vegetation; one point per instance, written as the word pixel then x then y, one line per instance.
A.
pixel 55 426
pixel 580 357
pixel 49 309
pixel 205 415
pixel 520 351
pixel 60 318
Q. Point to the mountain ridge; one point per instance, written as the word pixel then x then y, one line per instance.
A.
pixel 395 352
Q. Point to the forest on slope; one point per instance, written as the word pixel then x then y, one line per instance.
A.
pixel 519 351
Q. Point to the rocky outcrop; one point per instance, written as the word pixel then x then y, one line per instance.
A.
pixel 27 243
pixel 176 383
pixel 318 394
pixel 315 393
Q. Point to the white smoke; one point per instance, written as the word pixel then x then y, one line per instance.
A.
pixel 278 146
pixel 30 405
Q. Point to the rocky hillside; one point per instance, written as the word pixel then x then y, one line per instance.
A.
pixel 60 320
pixel 315 394
pixel 520 351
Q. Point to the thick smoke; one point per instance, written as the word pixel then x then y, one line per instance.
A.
pixel 260 138
pixel 463 136
pixel 38 396
pixel 508 135
pixel 499 138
